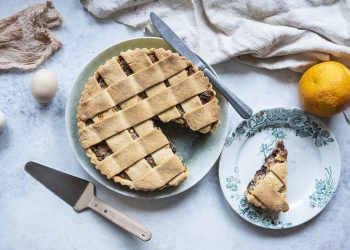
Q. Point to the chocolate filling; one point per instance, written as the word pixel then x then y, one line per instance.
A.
pixel 101 82
pixel 166 82
pixel 180 109
pixel 133 133
pixel 153 57
pixel 101 150
pixel 89 122
pixel 278 149
pixel 124 176
pixel 190 70
pixel 156 122
pixel 143 95
pixel 150 161
pixel 257 177
pixel 206 96
pixel 180 120
pixel 117 108
pixel 126 68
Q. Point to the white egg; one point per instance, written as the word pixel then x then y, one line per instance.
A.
pixel 2 121
pixel 44 85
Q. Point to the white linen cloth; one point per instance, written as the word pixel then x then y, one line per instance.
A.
pixel 272 34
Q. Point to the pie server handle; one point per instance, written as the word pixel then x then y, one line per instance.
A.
pixel 242 109
pixel 120 219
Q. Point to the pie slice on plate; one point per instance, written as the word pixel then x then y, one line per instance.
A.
pixel 120 104
pixel 268 188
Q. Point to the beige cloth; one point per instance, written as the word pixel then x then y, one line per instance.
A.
pixel 25 38
pixel 271 34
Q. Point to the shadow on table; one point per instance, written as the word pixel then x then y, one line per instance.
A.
pixel 272 233
pixel 155 205
pixel 244 225
pixel 147 205
pixel 232 66
pixel 143 207
pixel 4 138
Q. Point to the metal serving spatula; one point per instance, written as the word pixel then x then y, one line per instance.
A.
pixel 80 194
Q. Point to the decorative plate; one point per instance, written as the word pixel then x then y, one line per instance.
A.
pixel 198 151
pixel 313 165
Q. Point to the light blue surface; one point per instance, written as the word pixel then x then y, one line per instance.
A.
pixel 200 218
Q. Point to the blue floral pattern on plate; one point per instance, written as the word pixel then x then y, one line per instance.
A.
pixel 325 188
pixel 273 125
pixel 303 124
pixel 252 213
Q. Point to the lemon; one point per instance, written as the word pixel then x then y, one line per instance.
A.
pixel 324 88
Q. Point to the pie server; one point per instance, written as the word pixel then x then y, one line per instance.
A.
pixel 80 194
pixel 242 109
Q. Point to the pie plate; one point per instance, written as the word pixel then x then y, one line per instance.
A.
pixel 198 151
pixel 313 164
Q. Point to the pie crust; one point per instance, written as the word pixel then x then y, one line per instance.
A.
pixel 268 188
pixel 120 105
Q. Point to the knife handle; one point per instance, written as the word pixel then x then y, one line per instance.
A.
pixel 242 109
pixel 120 219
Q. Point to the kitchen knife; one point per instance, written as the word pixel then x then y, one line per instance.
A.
pixel 80 194
pixel 242 109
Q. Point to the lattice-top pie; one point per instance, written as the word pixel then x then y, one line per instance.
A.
pixel 268 188
pixel 120 103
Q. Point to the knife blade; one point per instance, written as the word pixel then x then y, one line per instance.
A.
pixel 175 41
pixel 80 194
pixel 170 36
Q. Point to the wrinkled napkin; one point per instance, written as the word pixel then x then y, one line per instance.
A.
pixel 25 38
pixel 272 34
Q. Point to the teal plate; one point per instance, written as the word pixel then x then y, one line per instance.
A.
pixel 199 152
pixel 313 165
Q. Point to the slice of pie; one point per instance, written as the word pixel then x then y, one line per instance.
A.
pixel 120 103
pixel 268 188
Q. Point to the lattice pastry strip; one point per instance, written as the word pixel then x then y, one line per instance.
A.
pixel 141 58
pixel 122 139
pixel 138 60
pixel 119 125
pixel 163 154
pixel 142 166
pixel 133 152
pixel 134 84
pixel 146 109
pixel 268 187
